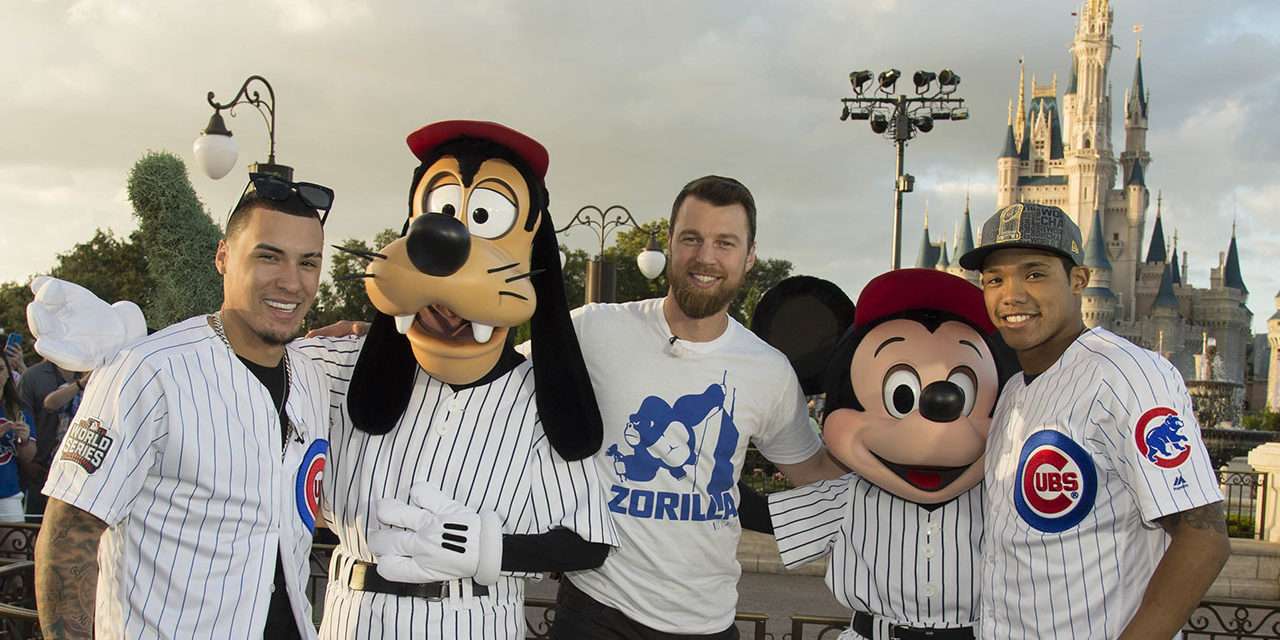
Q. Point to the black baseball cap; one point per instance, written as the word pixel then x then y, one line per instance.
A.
pixel 1027 226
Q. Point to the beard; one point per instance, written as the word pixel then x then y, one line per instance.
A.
pixel 697 303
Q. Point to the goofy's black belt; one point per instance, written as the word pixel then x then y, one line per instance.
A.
pixel 364 577
pixel 864 625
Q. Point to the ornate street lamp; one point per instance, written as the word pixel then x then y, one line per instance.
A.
pixel 899 117
pixel 215 150
pixel 600 270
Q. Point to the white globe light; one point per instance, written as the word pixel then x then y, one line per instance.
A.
pixel 651 263
pixel 215 154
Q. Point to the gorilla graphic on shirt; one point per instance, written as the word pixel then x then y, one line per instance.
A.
pixel 666 441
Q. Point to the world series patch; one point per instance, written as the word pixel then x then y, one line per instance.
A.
pixel 1056 484
pixel 311 481
pixel 86 444
pixel 1160 440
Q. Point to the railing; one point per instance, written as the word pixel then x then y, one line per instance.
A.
pixel 1245 496
pixel 1225 444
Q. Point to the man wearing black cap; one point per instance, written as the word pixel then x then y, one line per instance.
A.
pixel 1104 517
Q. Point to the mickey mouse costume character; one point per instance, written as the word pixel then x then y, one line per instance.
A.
pixel 456 467
pixel 910 391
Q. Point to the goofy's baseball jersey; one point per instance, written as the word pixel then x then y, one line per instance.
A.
pixel 483 445
pixel 1081 462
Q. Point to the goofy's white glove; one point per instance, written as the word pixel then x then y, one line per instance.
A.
pixel 77 330
pixel 435 538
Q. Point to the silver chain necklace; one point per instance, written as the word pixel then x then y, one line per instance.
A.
pixel 215 321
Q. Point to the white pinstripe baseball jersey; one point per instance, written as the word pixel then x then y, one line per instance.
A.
pixel 1080 463
pixel 899 561
pixel 177 447
pixel 483 446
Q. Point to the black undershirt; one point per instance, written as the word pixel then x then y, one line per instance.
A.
pixel 280 622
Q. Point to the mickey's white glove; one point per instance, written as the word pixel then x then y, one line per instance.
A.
pixel 435 538
pixel 77 330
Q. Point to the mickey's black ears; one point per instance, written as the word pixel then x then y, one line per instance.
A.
pixel 566 401
pixel 804 317
pixel 382 380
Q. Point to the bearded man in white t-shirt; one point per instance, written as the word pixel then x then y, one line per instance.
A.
pixel 683 389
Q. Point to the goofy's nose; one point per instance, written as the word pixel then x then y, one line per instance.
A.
pixel 438 245
pixel 941 401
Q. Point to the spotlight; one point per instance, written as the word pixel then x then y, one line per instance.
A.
pixel 948 78
pixel 844 115
pixel 922 80
pixel 859 114
pixel 879 123
pixel 960 114
pixel 859 80
pixel 924 124
pixel 889 78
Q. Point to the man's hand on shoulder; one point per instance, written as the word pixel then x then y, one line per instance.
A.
pixel 340 329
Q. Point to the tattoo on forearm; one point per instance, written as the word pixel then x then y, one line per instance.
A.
pixel 67 571
pixel 1209 516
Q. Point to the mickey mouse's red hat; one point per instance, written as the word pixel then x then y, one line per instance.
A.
pixel 910 289
pixel 422 141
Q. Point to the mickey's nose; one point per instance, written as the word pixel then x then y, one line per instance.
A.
pixel 438 245
pixel 941 401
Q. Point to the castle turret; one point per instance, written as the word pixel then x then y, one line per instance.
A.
pixel 1156 251
pixel 1135 122
pixel 963 245
pixel 1231 268
pixel 943 263
pixel 928 251
pixel 1273 371
pixel 1098 302
pixel 1173 259
pixel 1007 167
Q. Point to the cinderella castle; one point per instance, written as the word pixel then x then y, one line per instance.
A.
pixel 1058 150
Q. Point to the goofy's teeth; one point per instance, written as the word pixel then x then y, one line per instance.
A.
pixel 404 322
pixel 481 332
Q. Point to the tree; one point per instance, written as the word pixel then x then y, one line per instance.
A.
pixel 1264 420
pixel 111 268
pixel 14 297
pixel 343 297
pixel 179 237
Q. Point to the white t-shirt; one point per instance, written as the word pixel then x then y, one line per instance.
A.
pixel 177 447
pixel 1080 464
pixel 677 421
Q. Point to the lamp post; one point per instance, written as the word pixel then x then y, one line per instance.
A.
pixel 600 285
pixel 215 150
pixel 899 117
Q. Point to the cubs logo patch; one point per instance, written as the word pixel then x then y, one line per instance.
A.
pixel 86 444
pixel 1160 440
pixel 310 481
pixel 1056 483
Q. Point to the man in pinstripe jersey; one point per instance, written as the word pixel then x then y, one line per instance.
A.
pixel 1104 517
pixel 182 499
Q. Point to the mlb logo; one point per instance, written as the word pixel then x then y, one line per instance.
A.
pixel 1056 483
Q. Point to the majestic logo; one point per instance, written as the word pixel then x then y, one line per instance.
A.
pixel 1179 483
pixel 1010 224
pixel 86 444
pixel 667 439
pixel 311 481
pixel 1159 438
pixel 1056 483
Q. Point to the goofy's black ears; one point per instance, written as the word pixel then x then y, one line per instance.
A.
pixel 382 381
pixel 804 317
pixel 566 401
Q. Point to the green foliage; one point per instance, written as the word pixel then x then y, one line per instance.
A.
pixel 1240 526
pixel 179 237
pixel 14 297
pixel 1264 420
pixel 342 299
pixel 575 276
pixel 111 268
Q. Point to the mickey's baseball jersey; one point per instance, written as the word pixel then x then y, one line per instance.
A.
pixel 902 562
pixel 1081 461
pixel 177 447
pixel 482 445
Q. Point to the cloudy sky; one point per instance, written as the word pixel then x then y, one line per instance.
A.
pixel 632 100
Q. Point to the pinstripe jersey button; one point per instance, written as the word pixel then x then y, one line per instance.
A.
pixel 929 591
pixel 929 551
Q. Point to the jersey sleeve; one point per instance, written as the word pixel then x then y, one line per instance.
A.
pixel 807 519
pixel 1154 442
pixel 787 436
pixel 566 495
pixel 116 434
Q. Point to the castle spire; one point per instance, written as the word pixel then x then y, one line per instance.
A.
pixel 1136 102
pixel 928 257
pixel 1173 261
pixel 1165 297
pixel 1095 250
pixel 1020 125
pixel 1156 252
pixel 1231 272
pixel 964 239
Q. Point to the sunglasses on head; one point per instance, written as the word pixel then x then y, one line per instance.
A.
pixel 275 188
